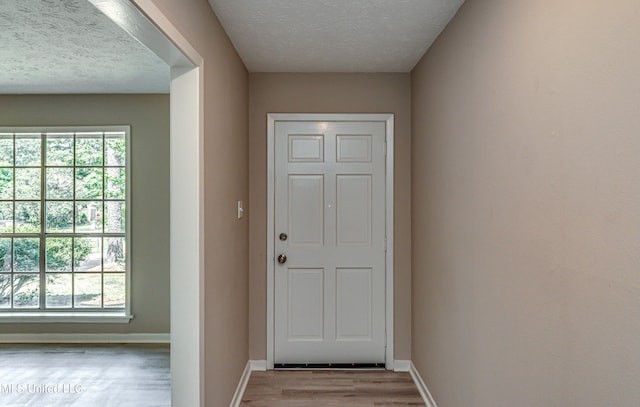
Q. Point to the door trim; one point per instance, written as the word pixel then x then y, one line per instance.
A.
pixel 272 118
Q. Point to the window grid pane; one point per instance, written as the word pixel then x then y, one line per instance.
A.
pixel 63 200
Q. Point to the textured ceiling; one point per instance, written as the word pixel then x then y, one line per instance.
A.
pixel 333 35
pixel 68 46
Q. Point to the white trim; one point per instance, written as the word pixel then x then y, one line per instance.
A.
pixel 271 124
pixel 242 385
pixel 258 365
pixel 252 366
pixel 422 387
pixel 67 129
pixel 401 365
pixel 331 117
pixel 390 220
pixel 271 119
pixel 84 338
pixel 186 238
pixel 65 317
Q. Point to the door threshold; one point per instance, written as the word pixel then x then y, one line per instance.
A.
pixel 329 366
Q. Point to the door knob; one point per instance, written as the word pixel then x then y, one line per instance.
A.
pixel 282 259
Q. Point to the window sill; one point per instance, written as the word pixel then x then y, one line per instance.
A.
pixel 65 317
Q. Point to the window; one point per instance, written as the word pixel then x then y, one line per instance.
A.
pixel 64 201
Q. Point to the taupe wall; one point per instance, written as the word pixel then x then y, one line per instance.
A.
pixel 328 93
pixel 526 192
pixel 226 280
pixel 148 116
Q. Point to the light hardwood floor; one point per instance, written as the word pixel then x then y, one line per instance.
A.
pixel 324 388
pixel 85 375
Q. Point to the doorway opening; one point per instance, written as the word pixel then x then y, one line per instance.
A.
pixel 146 23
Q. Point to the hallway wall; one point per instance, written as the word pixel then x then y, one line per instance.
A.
pixel 328 93
pixel 526 214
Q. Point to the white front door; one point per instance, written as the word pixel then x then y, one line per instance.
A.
pixel 330 224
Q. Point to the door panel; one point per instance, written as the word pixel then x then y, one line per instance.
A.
pixel 306 209
pixel 330 201
pixel 353 206
pixel 306 148
pixel 353 304
pixel 355 148
pixel 306 304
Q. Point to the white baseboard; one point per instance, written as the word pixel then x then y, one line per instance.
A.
pixel 242 385
pixel 422 388
pixel 258 365
pixel 401 365
pixel 85 338
pixel 252 366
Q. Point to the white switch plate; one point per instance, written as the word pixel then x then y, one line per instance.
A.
pixel 240 210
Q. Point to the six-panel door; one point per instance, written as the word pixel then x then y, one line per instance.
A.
pixel 330 203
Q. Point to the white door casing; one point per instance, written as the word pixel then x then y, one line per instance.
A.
pixel 331 193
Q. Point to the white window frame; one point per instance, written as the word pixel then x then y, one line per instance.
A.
pixel 79 315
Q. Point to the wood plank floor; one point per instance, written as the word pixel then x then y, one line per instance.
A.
pixel 303 388
pixel 85 375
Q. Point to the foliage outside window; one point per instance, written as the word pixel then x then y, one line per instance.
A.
pixel 63 219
